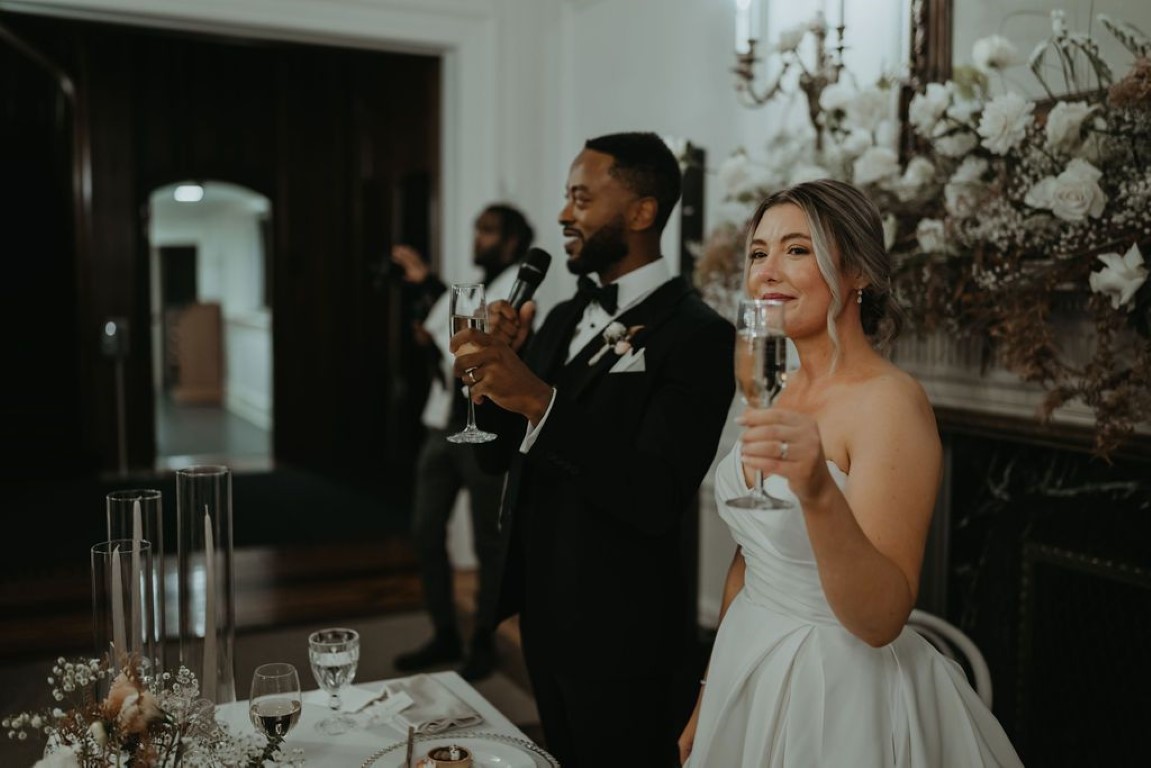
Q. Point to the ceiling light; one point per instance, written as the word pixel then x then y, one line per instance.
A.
pixel 189 193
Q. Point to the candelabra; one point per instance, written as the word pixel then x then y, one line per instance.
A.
pixel 823 71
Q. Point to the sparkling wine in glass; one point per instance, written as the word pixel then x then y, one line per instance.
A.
pixel 469 310
pixel 274 704
pixel 761 373
pixel 334 654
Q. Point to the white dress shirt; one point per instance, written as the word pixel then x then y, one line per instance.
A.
pixel 634 287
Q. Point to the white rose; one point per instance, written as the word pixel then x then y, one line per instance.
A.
pixel 856 143
pixel 836 96
pixel 955 144
pixel 1064 124
pixel 807 172
pixel 868 109
pixel 1073 195
pixel 1058 23
pixel 790 39
pixel 931 236
pixel 993 53
pixel 61 757
pixel 963 110
pixel 928 107
pixel 962 199
pixel 733 174
pixel 1120 277
pixel 890 231
pixel 1004 122
pixel 970 171
pixel 876 164
pixel 919 172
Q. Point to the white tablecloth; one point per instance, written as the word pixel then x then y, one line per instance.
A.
pixel 354 747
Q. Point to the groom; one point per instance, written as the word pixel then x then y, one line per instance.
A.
pixel 607 424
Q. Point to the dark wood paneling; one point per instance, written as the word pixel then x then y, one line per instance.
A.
pixel 326 134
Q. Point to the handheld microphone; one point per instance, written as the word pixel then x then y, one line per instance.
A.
pixel 531 274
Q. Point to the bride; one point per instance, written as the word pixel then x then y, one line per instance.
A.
pixel 813 663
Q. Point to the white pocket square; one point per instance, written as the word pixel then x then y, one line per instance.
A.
pixel 629 362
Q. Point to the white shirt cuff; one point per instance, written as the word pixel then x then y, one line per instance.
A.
pixel 533 432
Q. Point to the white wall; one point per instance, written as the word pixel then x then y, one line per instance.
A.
pixel 230 271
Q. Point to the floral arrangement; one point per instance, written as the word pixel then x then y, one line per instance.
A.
pixel 137 725
pixel 1010 221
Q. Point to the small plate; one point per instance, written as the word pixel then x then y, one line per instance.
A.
pixel 489 750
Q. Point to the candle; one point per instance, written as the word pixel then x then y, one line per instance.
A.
pixel 119 646
pixel 842 18
pixel 209 676
pixel 137 527
pixel 742 25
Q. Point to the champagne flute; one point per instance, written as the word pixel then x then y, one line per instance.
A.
pixel 274 704
pixel 469 310
pixel 334 653
pixel 761 372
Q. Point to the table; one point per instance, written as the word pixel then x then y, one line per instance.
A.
pixel 353 748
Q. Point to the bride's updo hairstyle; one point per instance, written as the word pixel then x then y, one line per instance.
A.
pixel 844 221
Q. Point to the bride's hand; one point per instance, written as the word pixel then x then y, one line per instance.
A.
pixel 778 441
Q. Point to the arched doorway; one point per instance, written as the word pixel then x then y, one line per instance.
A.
pixel 211 324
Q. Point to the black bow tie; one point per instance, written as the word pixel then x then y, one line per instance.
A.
pixel 607 296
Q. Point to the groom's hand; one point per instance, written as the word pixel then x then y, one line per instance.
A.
pixel 492 369
pixel 508 325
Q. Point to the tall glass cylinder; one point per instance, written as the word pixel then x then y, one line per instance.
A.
pixel 205 581
pixel 138 515
pixel 123 625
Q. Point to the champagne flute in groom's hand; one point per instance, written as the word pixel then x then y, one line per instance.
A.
pixel 469 310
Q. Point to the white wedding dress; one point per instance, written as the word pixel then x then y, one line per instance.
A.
pixel 789 686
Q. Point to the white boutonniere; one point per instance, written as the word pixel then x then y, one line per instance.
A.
pixel 616 337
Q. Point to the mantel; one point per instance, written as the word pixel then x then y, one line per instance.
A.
pixel 994 402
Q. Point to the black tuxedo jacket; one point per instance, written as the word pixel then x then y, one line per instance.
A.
pixel 593 515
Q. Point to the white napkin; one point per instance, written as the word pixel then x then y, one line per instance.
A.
pixel 434 708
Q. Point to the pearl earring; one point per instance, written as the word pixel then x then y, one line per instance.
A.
pixel 859 296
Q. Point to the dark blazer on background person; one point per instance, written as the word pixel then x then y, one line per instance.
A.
pixel 593 514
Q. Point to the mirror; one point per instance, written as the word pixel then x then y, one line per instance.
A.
pixel 944 33
pixel 211 325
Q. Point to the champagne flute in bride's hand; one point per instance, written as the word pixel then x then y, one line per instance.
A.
pixel 274 703
pixel 469 310
pixel 761 372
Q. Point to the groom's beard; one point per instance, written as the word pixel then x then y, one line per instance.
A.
pixel 605 247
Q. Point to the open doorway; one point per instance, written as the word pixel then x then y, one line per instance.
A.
pixel 211 325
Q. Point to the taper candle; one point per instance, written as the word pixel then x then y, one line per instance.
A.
pixel 118 637
pixel 209 674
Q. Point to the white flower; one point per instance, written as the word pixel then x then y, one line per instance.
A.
pixel 955 144
pixel 963 110
pixel 962 199
pixel 789 39
pixel 931 236
pixel 876 164
pixel 970 171
pixel 993 53
pixel 1064 123
pixel 928 107
pixel 61 757
pixel 1004 122
pixel 868 109
pixel 1073 195
pixel 836 96
pixel 857 142
pixel 802 172
pixel 1120 277
pixel 733 174
pixel 919 173
pixel 1058 23
pixel 99 735
pixel 890 230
